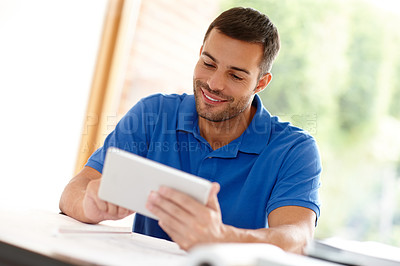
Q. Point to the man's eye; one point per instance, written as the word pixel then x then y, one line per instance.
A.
pixel 236 77
pixel 208 65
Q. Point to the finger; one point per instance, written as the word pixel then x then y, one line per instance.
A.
pixel 212 201
pixel 170 230
pixel 182 200
pixel 101 204
pixel 165 218
pixel 112 209
pixel 175 235
pixel 165 207
pixel 122 212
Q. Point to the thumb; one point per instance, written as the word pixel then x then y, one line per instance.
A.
pixel 212 198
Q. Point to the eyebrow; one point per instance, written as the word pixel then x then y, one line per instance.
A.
pixel 231 67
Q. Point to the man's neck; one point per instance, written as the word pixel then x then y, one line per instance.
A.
pixel 219 134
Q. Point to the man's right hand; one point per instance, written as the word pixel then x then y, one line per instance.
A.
pixel 80 199
pixel 97 210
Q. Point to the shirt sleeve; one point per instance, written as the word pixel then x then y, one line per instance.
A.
pixel 132 134
pixel 298 180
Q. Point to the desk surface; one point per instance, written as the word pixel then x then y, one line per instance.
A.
pixel 44 237
pixel 33 237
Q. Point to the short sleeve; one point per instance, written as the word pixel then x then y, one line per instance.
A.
pixel 131 134
pixel 298 180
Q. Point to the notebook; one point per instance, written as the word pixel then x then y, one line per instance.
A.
pixel 350 252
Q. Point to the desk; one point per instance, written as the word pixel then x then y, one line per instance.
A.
pixel 34 237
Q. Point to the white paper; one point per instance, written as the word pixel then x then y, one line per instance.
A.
pixel 41 232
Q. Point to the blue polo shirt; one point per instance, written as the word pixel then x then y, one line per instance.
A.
pixel 272 164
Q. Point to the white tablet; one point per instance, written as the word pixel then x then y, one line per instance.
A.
pixel 128 179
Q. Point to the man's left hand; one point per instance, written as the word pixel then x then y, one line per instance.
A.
pixel 184 219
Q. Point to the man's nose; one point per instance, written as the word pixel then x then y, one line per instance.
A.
pixel 216 81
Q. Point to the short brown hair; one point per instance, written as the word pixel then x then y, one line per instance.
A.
pixel 249 25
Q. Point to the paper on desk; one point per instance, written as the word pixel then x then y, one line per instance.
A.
pixel 354 252
pixel 119 249
pixel 93 228
pixel 230 254
pixel 251 254
pixel 38 231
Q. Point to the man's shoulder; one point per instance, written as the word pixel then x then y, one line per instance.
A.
pixel 287 132
pixel 160 101
pixel 160 97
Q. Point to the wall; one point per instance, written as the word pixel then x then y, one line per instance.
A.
pixel 166 48
pixel 48 51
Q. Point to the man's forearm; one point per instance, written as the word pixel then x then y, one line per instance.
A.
pixel 290 238
pixel 190 223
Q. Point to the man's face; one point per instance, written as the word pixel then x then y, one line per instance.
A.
pixel 226 77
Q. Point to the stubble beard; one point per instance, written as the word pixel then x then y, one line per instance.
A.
pixel 231 111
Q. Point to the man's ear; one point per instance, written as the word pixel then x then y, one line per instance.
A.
pixel 263 82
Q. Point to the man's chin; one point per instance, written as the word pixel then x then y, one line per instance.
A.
pixel 214 118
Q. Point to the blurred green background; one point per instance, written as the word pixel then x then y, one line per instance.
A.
pixel 337 77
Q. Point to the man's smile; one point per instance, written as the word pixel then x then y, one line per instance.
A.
pixel 209 98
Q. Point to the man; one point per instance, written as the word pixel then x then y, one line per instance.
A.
pixel 265 172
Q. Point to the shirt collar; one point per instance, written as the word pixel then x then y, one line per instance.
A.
pixel 257 134
pixel 253 139
pixel 187 115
